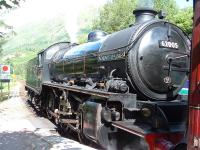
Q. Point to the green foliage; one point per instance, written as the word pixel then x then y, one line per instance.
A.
pixel 145 3
pixel 10 4
pixel 82 37
pixel 85 22
pixel 2 41
pixel 117 14
pixel 37 36
pixel 31 39
pixel 168 6
pixel 183 19
pixel 4 36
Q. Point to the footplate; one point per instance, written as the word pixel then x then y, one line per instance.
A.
pixel 130 126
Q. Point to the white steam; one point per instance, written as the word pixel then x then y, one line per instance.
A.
pixel 37 10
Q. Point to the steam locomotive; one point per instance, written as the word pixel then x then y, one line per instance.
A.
pixel 119 90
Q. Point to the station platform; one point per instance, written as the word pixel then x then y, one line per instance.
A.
pixel 37 140
pixel 21 128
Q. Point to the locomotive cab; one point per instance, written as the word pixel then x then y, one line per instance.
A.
pixel 38 68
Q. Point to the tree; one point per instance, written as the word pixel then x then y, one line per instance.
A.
pixel 117 14
pixel 183 19
pixel 9 3
pixel 7 32
pixel 85 21
pixel 168 6
pixel 145 3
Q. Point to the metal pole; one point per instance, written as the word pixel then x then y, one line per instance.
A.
pixel 1 91
pixel 8 90
pixel 194 91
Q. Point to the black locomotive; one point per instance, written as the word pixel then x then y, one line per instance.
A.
pixel 118 86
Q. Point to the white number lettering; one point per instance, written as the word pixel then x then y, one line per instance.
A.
pixel 169 44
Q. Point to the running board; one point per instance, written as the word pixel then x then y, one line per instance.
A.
pixel 74 88
pixel 128 126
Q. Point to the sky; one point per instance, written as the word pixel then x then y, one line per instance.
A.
pixel 35 10
pixel 184 3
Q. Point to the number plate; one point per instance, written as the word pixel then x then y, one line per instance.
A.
pixel 168 44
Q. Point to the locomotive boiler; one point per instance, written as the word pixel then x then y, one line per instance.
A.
pixel 118 86
pixel 150 57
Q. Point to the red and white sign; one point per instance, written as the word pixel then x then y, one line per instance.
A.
pixel 5 69
pixel 5 72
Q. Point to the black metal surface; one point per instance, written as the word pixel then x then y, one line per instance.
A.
pixel 137 54
pixel 140 129
pixel 64 47
pixel 46 58
pixel 96 35
pixel 144 14
pixel 32 89
pixel 32 74
pixel 119 40
pixel 83 90
pixel 117 83
pixel 143 129
pixel 92 119
pixel 163 115
pixel 146 63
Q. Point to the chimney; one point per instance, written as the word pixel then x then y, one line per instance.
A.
pixel 144 14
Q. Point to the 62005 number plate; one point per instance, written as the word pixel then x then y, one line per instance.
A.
pixel 168 44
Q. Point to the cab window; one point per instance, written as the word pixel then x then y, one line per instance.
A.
pixel 40 60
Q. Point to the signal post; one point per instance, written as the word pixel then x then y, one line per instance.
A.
pixel 4 77
pixel 194 92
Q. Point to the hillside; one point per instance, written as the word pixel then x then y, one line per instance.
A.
pixel 31 39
